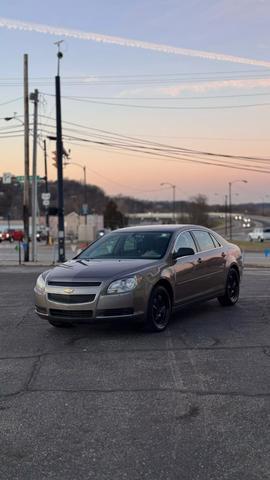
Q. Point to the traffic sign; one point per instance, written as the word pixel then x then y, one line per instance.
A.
pixel 46 196
pixel 7 177
pixel 20 178
pixel 46 203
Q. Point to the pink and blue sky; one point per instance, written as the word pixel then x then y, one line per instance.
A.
pixel 112 73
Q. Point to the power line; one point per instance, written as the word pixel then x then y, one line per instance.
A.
pixel 165 147
pixel 101 75
pixel 167 156
pixel 11 101
pixel 175 99
pixel 162 107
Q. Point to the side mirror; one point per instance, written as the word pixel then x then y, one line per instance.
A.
pixel 183 252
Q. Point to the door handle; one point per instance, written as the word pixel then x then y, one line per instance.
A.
pixel 199 260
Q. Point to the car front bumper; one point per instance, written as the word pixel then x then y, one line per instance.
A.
pixel 130 305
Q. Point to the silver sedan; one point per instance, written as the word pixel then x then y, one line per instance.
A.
pixel 143 273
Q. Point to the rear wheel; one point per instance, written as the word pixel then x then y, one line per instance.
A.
pixel 159 310
pixel 232 291
pixel 59 324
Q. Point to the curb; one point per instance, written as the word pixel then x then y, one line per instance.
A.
pixel 256 265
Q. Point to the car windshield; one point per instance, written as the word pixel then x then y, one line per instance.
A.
pixel 129 245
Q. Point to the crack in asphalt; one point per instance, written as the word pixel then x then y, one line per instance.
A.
pixel 84 351
pixel 266 351
pixel 200 393
pixel 33 373
pixel 25 316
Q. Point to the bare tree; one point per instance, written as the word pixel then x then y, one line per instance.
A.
pixel 198 210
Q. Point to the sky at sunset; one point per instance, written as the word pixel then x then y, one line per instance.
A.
pixel 186 101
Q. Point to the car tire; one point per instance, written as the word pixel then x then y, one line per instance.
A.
pixel 59 324
pixel 158 310
pixel 232 290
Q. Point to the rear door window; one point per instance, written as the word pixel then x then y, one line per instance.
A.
pixel 216 243
pixel 204 240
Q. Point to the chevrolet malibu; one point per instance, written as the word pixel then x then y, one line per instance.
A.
pixel 141 273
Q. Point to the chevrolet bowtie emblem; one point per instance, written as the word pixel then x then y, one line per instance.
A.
pixel 68 290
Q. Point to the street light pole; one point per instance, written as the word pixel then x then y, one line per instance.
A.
pixel 230 209
pixel 230 204
pixel 173 198
pixel 226 215
pixel 263 204
pixel 47 191
pixel 85 193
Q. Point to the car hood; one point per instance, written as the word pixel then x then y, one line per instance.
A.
pixel 98 269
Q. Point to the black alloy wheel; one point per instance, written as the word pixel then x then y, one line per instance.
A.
pixel 232 289
pixel 159 310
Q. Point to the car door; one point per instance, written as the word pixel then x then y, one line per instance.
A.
pixel 184 269
pixel 210 264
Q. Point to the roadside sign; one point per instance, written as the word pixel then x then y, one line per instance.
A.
pixel 46 196
pixel 85 209
pixel 20 178
pixel 46 203
pixel 7 177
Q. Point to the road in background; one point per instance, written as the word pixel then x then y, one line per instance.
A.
pixel 47 255
pixel 110 402
pixel 9 253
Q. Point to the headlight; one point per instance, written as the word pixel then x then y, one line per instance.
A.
pixel 40 284
pixel 123 285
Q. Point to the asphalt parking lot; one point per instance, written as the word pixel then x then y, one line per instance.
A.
pixel 110 402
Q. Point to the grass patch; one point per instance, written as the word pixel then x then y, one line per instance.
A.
pixel 248 246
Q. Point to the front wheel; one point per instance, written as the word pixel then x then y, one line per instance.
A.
pixel 232 291
pixel 159 310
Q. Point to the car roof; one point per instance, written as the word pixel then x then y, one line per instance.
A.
pixel 159 228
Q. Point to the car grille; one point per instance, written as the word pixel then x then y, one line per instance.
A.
pixel 115 312
pixel 70 299
pixel 71 313
pixel 73 284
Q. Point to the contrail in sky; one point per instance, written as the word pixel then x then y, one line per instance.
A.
pixel 126 42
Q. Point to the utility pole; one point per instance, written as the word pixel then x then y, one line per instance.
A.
pixel 34 97
pixel 26 160
pixel 59 152
pixel 47 191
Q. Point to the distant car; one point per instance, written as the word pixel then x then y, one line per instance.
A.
pixel 41 235
pixel 102 232
pixel 16 235
pixel 141 273
pixel 259 234
pixel 12 235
